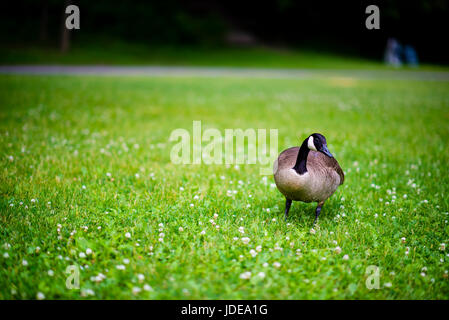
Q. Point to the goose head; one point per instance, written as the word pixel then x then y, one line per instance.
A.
pixel 317 142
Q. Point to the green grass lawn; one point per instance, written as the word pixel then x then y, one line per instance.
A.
pixel 86 160
pixel 119 53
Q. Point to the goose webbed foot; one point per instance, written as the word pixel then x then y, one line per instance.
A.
pixel 317 211
pixel 288 203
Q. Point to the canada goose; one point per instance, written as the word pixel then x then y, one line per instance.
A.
pixel 308 174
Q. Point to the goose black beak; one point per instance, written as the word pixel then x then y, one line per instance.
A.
pixel 326 151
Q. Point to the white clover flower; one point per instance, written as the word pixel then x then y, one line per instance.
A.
pixel 345 257
pixel 403 239
pixel 388 284
pixel 203 232
pixel 147 287
pixel 276 265
pixel 245 240
pixel 274 219
pixel 259 248
pixel 87 292
pixel 261 274
pixel 126 261
pixel 423 274
pixel 84 187
pixel 192 205
pixel 82 255
pixel 128 235
pixel 141 277
pixel 6 255
pixel 337 250
pixel 241 229
pixel 196 197
pixel 161 225
pixel 245 275
pixel 181 229
pixel 120 267
pixel 161 235
pixel 235 238
pixel 40 296
pixel 312 231
pixel 442 246
pixel 253 253
pixel 215 216
pixel 88 251
pixel 24 262
pixel 101 276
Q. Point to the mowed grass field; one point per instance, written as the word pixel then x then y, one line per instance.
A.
pixel 120 53
pixel 86 180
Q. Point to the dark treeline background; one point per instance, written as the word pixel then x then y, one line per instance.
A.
pixel 337 26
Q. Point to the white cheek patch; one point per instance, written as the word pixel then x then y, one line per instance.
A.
pixel 310 144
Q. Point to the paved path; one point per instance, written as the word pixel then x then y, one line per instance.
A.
pixel 161 71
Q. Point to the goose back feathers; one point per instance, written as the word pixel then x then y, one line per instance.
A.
pixel 322 178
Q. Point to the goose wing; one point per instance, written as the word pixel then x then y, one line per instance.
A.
pixel 287 158
pixel 334 164
pixel 321 160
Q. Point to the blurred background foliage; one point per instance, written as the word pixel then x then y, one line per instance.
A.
pixel 335 26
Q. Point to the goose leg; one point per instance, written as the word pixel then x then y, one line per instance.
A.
pixel 288 203
pixel 318 210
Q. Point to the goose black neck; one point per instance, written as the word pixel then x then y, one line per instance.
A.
pixel 301 161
